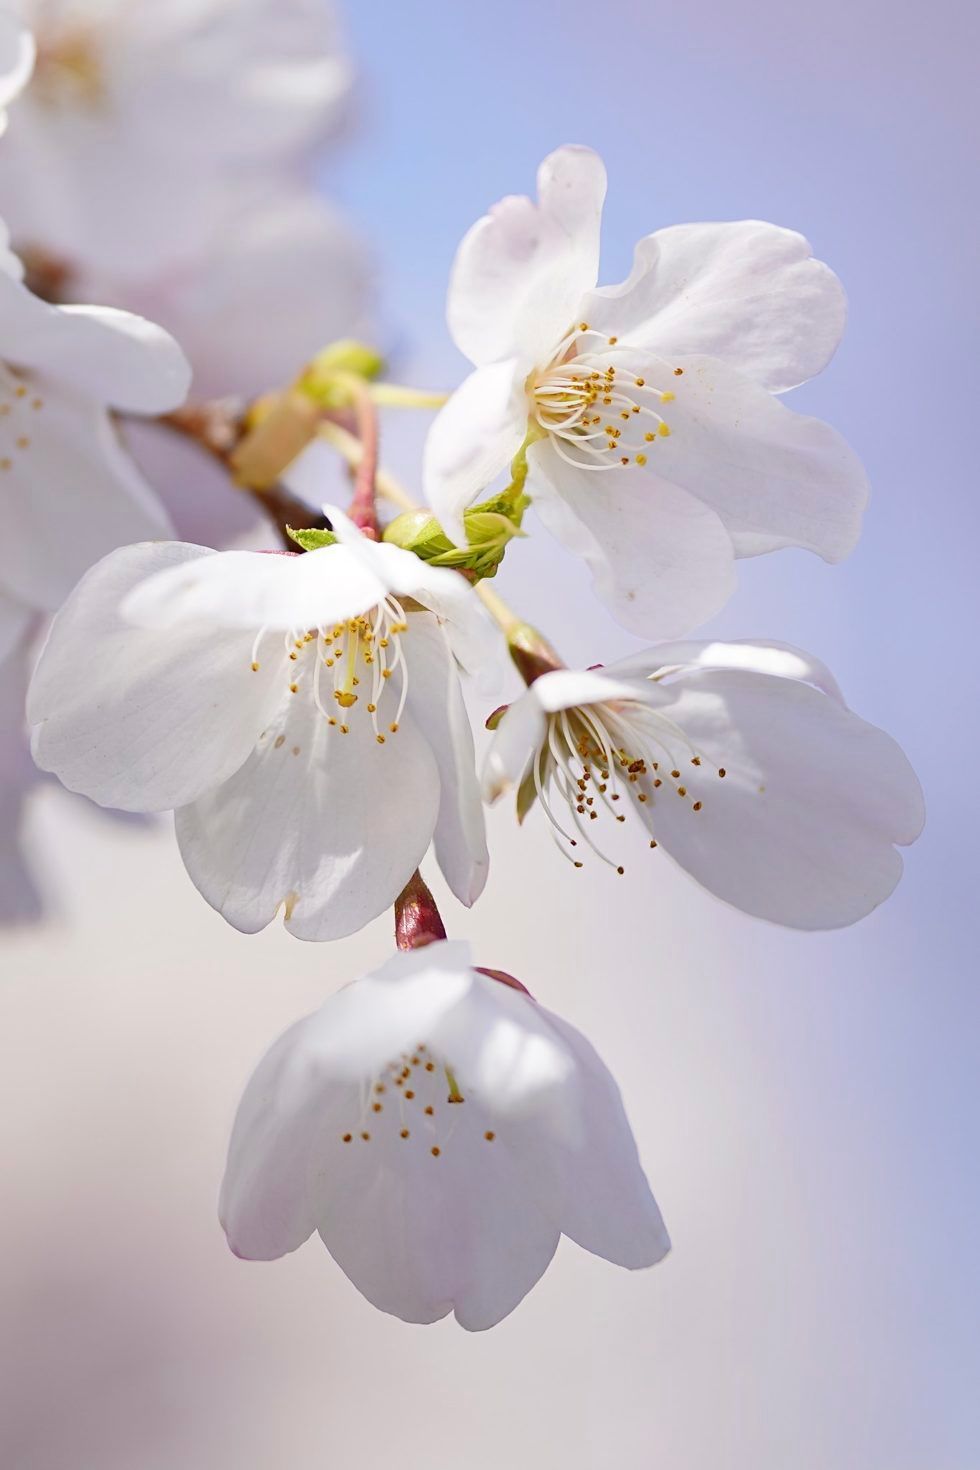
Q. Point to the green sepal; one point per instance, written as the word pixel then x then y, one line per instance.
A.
pixel 490 526
pixel 527 795
pixel 327 378
pixel 311 540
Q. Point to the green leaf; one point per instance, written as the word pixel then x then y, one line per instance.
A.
pixel 311 540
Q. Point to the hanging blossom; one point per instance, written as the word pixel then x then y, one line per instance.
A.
pixel 656 449
pixel 68 491
pixel 741 760
pixel 441 1131
pixel 301 714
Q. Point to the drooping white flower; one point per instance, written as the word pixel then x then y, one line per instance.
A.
pixel 441 1131
pixel 659 451
pixel 142 117
pixel 68 491
pixel 741 759
pixel 302 714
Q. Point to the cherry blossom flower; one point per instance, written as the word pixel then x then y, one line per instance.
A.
pixel 441 1131
pixel 301 714
pixel 68 491
pixel 17 55
pixel 656 449
pixel 742 761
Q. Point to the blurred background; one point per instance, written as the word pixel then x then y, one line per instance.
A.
pixel 806 1106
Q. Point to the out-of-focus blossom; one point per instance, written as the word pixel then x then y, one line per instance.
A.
pixel 302 714
pixel 741 759
pixel 161 161
pixel 17 54
pixel 143 118
pixel 656 449
pixel 68 491
pixel 441 1131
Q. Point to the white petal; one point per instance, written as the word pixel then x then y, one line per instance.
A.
pixel 779 659
pixel 662 561
pixel 776 478
pixel 69 492
pixel 521 271
pixel 328 826
pixel 436 701
pixel 137 718
pixel 113 357
pixel 515 740
pixel 608 1207
pixel 472 438
pixel 745 291
pixel 255 589
pixel 17 54
pixel 801 829
pixel 265 1207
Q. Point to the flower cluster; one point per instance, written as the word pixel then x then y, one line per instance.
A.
pixel 300 708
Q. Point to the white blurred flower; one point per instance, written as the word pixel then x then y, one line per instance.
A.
pixel 441 1131
pixel 68 491
pixel 142 117
pixel 660 452
pixel 17 55
pixel 741 759
pixel 302 714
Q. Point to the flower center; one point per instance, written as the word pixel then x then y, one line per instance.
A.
pixel 69 69
pixel 348 665
pixel 19 404
pixel 599 414
pixel 593 755
pixel 416 1101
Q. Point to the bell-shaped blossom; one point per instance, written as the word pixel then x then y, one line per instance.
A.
pixel 301 714
pixel 742 761
pixel 68 491
pixel 441 1131
pixel 166 107
pixel 656 449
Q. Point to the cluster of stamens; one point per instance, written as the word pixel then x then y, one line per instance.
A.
pixel 599 414
pixel 69 68
pixel 348 659
pixel 594 755
pixel 18 402
pixel 409 1099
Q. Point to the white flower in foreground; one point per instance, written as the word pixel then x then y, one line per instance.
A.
pixel 743 762
pixel 441 1131
pixel 660 452
pixel 302 714
pixel 143 114
pixel 68 491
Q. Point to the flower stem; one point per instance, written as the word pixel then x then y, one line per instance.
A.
pixel 219 428
pixel 349 447
pixel 363 509
pixel 393 395
pixel 417 919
